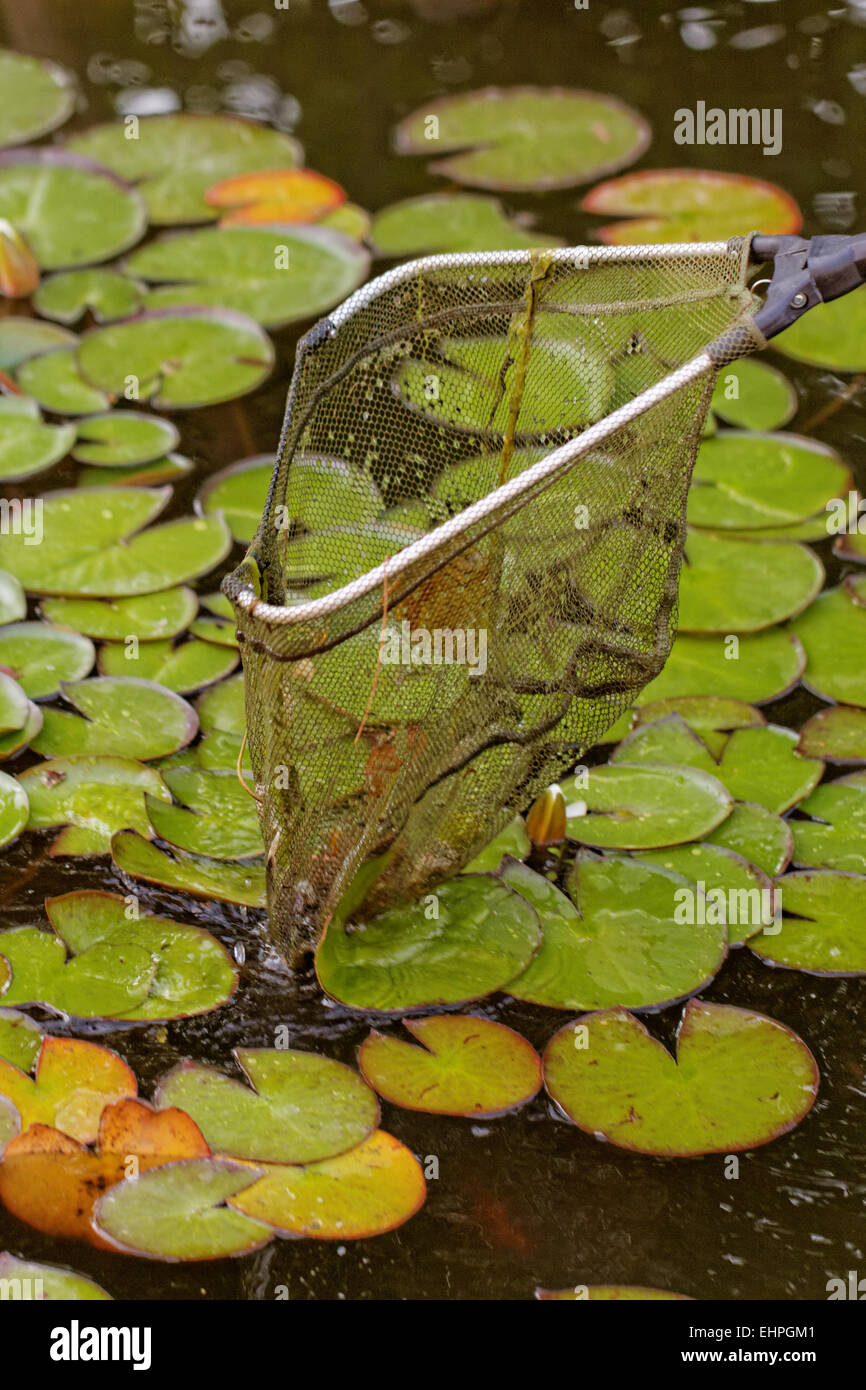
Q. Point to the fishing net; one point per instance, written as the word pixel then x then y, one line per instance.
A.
pixel 467 565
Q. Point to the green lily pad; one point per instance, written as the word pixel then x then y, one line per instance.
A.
pixel 826 935
pixel 835 836
pixel 745 481
pixel 77 526
pixel 20 1039
pixel 41 657
pixel 297 1108
pixel 761 667
pixel 465 941
pixel 833 633
pixel 277 275
pixel 525 137
pixel 607 1293
pixel 743 586
pixel 837 735
pixel 14 740
pixel 92 797
pixel 375 1187
pixel 118 715
pixel 180 358
pixel 27 444
pixel 21 338
pixel 753 396
pixel 215 815
pixel 758 835
pixel 54 1283
pixel 220 632
pixel 567 386
pixel 740 1079
pixel 513 841
pixel 218 604
pixel 239 492
pixel 149 618
pixel 14 705
pixel 622 941
pixel 89 548
pixel 831 335
pixel 322 489
pixel 13 601
pixel 690 205
pixel 221 713
pixel 223 707
pixel 711 717
pixel 765 766
pixel 177 158
pixel 177 1212
pixel 55 381
pixel 139 969
pixel 13 809
pixel 163 470
pixel 203 878
pixel 464 1066
pixel 69 295
pixel 441 222
pixel 760 765
pixel 38 96
pixel 183 668
pixel 70 211
pixel 729 883
pixel 644 806
pixel 124 437
pixel 98 984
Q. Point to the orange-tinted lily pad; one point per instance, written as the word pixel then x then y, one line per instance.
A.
pixel 275 195
pixel 52 1182
pixel 74 1082
pixel 690 205
pixel 465 1066
pixel 372 1189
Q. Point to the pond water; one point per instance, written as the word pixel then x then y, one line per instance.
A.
pixel 526 1200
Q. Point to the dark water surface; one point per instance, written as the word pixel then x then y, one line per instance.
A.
pixel 528 1199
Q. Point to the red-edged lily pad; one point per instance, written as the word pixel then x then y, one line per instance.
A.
pixel 739 1079
pixel 464 1066
pixel 690 205
pixel 372 1189
pixel 178 1212
pixel 297 1108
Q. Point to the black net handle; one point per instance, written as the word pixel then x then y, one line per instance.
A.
pixel 806 273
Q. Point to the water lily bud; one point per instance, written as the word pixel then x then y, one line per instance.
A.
pixel 19 273
pixel 546 820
